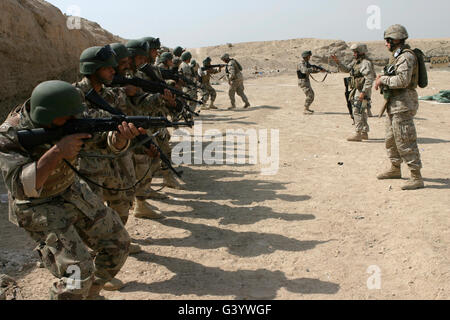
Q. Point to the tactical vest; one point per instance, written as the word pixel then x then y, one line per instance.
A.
pixel 357 78
pixel 415 75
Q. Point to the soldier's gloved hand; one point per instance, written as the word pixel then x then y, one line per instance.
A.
pixel 127 131
pixel 152 152
pixel 170 98
pixel 69 147
pixel 362 96
pixel 131 90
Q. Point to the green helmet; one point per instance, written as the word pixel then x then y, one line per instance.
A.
pixel 178 51
pixel 306 54
pixel 166 56
pixel 360 48
pixel 396 32
pixel 121 51
pixel 207 61
pixel 153 43
pixel 226 56
pixel 54 99
pixel 138 47
pixel 95 58
pixel 193 62
pixel 186 56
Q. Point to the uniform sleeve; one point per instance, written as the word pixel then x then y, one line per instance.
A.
pixel 404 70
pixel 346 68
pixel 303 67
pixel 233 70
pixel 11 164
pixel 369 76
pixel 28 180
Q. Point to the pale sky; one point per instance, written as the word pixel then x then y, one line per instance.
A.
pixel 200 23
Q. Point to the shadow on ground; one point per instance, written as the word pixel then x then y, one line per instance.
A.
pixel 195 279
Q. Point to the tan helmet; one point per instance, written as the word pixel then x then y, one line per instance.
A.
pixel 360 48
pixel 226 56
pixel 396 32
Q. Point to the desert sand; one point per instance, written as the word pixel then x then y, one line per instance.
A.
pixel 311 231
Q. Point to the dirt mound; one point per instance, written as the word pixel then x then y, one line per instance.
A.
pixel 36 45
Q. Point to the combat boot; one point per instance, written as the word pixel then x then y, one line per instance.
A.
pixel 169 180
pixel 143 210
pixel 212 106
pixel 416 181
pixel 393 173
pixel 232 107
pixel 365 136
pixel 135 248
pixel 356 138
pixel 152 194
pixel 113 285
pixel 247 105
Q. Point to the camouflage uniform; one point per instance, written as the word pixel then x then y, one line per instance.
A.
pixel 304 69
pixel 65 217
pixel 208 90
pixel 402 106
pixel 111 173
pixel 363 76
pixel 234 72
pixel 186 70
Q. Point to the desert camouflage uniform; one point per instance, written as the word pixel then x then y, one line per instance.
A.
pixel 401 135
pixel 306 69
pixel 186 70
pixel 363 76
pixel 110 173
pixel 65 217
pixel 151 105
pixel 208 90
pixel 236 79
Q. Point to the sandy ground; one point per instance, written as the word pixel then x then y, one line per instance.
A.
pixel 311 231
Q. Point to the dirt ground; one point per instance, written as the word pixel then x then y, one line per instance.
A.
pixel 311 231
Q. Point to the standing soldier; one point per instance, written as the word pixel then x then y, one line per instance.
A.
pixel 205 73
pixel 399 88
pixel 363 75
pixel 177 52
pixel 59 211
pixel 236 81
pixel 304 70
pixel 186 70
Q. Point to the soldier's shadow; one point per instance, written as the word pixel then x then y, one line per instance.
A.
pixel 443 183
pixel 196 279
pixel 243 244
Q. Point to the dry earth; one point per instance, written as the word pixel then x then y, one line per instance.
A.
pixel 309 232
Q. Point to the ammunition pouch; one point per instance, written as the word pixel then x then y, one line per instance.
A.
pixel 301 75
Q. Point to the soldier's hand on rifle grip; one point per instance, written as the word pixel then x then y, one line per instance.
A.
pixel 127 131
pixel 152 152
pixel 69 147
pixel 130 90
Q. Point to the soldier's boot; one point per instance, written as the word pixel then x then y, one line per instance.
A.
pixel 152 194
pixel 135 248
pixel 212 106
pixel 143 210
pixel 246 105
pixel 357 137
pixel 94 292
pixel 393 173
pixel 169 180
pixel 205 107
pixel 365 136
pixel 308 111
pixel 233 106
pixel 113 285
pixel 415 182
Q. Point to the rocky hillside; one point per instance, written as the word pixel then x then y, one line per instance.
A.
pixel 36 45
pixel 274 57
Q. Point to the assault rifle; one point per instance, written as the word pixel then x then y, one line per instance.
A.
pixel 151 86
pixel 212 66
pixel 347 97
pixel 93 97
pixel 320 68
